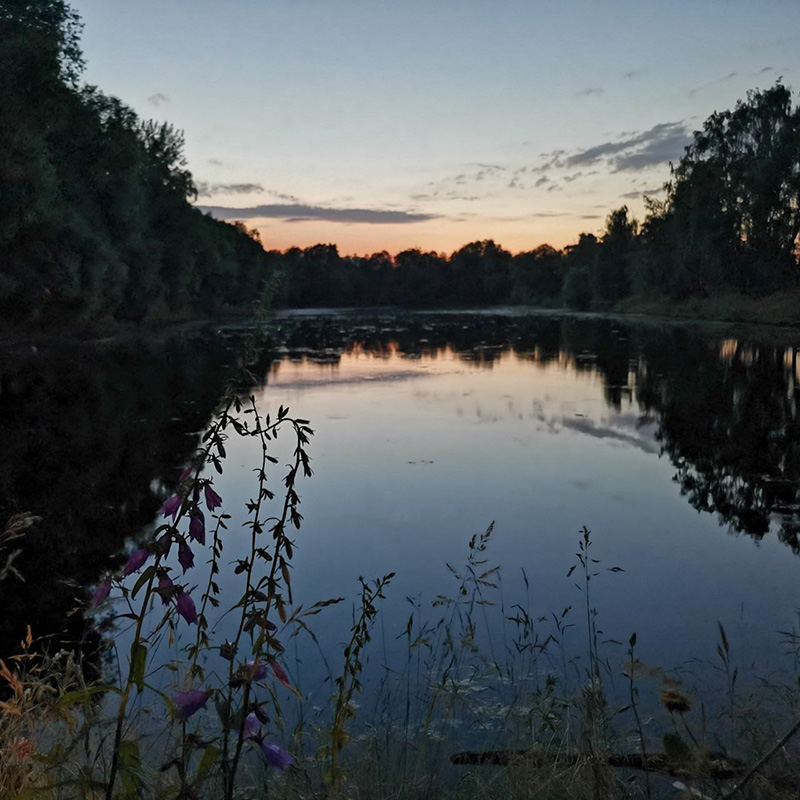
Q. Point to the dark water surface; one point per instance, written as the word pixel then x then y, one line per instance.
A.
pixel 679 447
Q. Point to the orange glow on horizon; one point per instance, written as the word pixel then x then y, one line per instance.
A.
pixel 438 236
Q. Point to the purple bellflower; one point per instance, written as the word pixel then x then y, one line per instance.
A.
pixel 172 506
pixel 186 608
pixel 213 500
pixel 276 756
pixel 197 527
pixel 190 702
pixel 166 588
pixel 136 559
pixel 258 670
pixel 185 555
pixel 164 543
pixel 101 592
pixel 252 726
pixel 186 473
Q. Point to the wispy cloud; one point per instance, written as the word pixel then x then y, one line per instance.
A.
pixel 158 99
pixel 700 88
pixel 641 192
pixel 662 143
pixel 210 189
pixel 296 212
pixel 289 198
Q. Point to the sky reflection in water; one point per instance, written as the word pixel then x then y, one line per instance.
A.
pixel 414 455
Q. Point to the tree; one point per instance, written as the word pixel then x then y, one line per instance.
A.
pixel 739 187
pixel 481 274
pixel 611 278
pixel 537 275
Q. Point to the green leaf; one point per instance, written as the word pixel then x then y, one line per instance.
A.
pixel 138 663
pixel 83 695
pixel 130 767
pixel 143 579
pixel 210 757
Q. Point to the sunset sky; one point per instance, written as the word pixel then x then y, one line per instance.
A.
pixel 382 126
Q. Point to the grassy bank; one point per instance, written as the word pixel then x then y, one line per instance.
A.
pixel 780 308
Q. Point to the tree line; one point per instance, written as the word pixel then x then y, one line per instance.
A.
pixel 729 222
pixel 95 218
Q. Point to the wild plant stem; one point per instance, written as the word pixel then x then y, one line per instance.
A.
pixel 635 707
pixel 231 771
pixel 128 684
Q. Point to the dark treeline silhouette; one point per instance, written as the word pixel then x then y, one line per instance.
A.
pixel 730 221
pixel 95 221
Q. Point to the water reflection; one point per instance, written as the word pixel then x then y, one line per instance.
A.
pixel 91 436
pixel 724 411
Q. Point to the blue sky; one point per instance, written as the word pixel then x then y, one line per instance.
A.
pixel 378 125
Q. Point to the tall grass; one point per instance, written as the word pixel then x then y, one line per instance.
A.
pixel 482 681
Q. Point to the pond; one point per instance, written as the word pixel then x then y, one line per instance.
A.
pixel 677 446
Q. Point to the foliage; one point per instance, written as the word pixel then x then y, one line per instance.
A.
pixel 95 222
pixel 730 220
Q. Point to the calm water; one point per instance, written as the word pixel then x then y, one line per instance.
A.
pixel 678 447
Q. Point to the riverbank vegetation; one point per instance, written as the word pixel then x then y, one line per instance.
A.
pixel 198 689
pixel 477 684
pixel 97 226
pixel 727 228
pixel 95 218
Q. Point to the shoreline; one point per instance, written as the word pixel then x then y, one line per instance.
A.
pixel 774 311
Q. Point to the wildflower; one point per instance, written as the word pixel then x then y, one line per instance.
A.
pixel 186 473
pixel 258 670
pixel 197 527
pixel 213 500
pixel 252 726
pixel 276 756
pixel 172 506
pixel 166 588
pixel 164 544
pixel 136 559
pixel 21 748
pixel 190 702
pixel 283 677
pixel 101 592
pixel 185 555
pixel 186 608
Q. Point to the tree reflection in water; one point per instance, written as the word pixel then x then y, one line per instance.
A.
pixel 93 437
